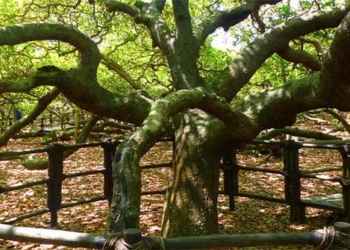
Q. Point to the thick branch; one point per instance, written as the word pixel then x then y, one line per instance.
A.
pixel 92 97
pixel 227 19
pixel 316 44
pixel 159 5
pixel 341 119
pixel 85 132
pixel 278 107
pixel 114 66
pixel 298 56
pixel 182 19
pixel 297 132
pixel 335 73
pixel 124 212
pixel 274 41
pixel 150 16
pixel 23 85
pixel 40 107
pixel 90 55
pixel 113 6
pixel 327 89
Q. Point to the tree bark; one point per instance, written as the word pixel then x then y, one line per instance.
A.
pixel 191 201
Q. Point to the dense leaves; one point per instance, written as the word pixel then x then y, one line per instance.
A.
pixel 152 64
pixel 250 216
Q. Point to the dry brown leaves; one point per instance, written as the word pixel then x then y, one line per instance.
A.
pixel 250 216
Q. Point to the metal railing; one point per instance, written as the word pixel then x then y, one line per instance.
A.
pixel 292 175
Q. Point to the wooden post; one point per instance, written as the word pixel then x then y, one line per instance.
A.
pixel 109 149
pixel 54 185
pixel 292 180
pixel 42 123
pixel 51 119
pixel 230 176
pixel 345 180
pixel 76 123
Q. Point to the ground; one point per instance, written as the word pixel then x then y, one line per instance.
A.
pixel 250 216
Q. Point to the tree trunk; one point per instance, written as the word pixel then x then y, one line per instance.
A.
pixel 191 202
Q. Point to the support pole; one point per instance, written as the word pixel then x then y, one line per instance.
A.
pixel 109 149
pixel 292 180
pixel 333 237
pixel 345 180
pixel 230 172
pixel 54 185
pixel 76 123
pixel 49 236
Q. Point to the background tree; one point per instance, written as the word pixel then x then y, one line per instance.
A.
pixel 288 61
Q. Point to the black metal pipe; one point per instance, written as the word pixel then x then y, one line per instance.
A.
pixel 312 238
pixel 86 240
pixel 49 236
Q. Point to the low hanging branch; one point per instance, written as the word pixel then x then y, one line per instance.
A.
pixel 125 206
pixel 44 164
pixel 40 107
pixel 114 66
pixel 297 132
pixel 339 118
pixel 332 237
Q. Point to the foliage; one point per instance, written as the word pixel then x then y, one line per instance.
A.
pixel 152 64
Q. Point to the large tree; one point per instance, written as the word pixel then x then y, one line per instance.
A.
pixel 207 100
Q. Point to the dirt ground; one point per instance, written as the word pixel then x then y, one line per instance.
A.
pixel 250 216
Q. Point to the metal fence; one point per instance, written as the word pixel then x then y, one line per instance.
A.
pixel 292 175
pixel 56 175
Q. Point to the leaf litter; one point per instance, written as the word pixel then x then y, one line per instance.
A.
pixel 250 216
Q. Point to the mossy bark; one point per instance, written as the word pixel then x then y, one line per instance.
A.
pixel 191 202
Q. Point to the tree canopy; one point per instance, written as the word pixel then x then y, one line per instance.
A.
pixel 153 64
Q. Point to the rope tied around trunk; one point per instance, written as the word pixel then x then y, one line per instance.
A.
pixel 328 238
pixel 116 242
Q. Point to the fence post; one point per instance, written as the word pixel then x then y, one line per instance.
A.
pixel 292 180
pixel 54 185
pixel 230 171
pixel 345 180
pixel 109 149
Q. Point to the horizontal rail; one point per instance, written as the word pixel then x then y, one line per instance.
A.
pixel 159 165
pixel 266 198
pixel 320 177
pixel 57 175
pixel 244 240
pixel 153 192
pixel 321 170
pixel 22 152
pixel 82 202
pixel 90 172
pixel 90 145
pixel 331 207
pixel 4 189
pixel 267 142
pixel 326 144
pixel 86 240
pixel 26 216
pixel 82 145
pixel 263 170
